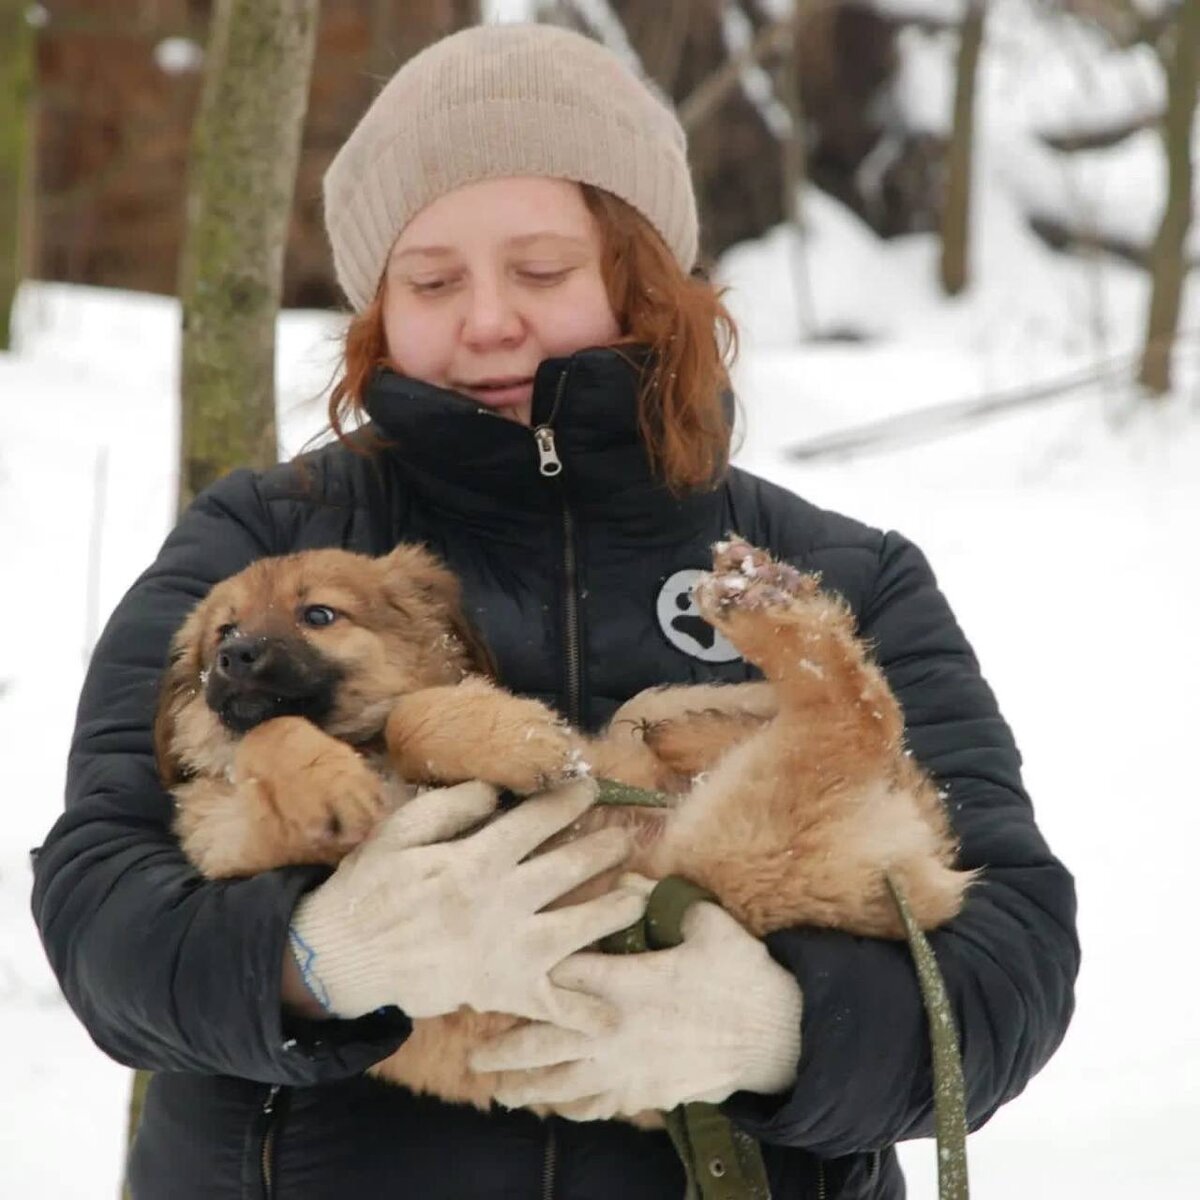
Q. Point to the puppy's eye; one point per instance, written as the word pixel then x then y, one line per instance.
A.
pixel 224 631
pixel 317 615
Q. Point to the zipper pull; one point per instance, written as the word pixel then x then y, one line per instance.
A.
pixel 549 463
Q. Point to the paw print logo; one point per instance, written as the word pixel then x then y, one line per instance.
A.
pixel 683 626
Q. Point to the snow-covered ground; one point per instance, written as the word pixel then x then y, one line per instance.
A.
pixel 1064 535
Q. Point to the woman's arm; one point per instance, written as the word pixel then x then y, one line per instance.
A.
pixel 167 970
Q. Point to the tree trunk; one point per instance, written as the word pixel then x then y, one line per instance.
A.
pixel 245 148
pixel 16 79
pixel 794 168
pixel 242 175
pixel 956 210
pixel 1168 260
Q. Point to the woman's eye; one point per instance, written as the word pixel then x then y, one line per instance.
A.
pixel 224 631
pixel 545 278
pixel 430 287
pixel 317 615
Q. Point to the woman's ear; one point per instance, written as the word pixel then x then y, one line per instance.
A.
pixel 416 578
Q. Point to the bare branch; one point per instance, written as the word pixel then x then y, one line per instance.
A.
pixel 1167 256
pixel 956 210
pixel 16 82
pixel 708 96
pixel 1100 139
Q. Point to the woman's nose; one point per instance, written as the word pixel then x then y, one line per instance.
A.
pixel 492 317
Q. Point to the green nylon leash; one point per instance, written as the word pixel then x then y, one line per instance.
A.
pixel 949 1090
pixel 722 1162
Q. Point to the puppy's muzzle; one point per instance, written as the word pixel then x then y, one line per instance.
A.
pixel 255 678
pixel 244 659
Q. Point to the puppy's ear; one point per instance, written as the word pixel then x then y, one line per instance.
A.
pixel 416 577
pixel 180 682
pixel 479 657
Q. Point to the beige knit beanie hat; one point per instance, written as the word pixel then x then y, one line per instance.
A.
pixel 497 100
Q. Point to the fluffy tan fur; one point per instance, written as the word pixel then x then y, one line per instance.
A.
pixel 793 797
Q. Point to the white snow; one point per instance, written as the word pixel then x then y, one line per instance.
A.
pixel 1064 535
pixel 178 55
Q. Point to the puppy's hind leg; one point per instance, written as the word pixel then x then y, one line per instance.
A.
pixel 800 823
pixel 804 642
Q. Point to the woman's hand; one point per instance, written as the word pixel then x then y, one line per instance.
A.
pixel 709 1017
pixel 428 924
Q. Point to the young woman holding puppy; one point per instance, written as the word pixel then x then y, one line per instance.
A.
pixel 544 383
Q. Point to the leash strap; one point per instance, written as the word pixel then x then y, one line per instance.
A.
pixel 721 1162
pixel 949 1091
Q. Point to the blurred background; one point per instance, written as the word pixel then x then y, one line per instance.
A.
pixel 846 93
pixel 959 238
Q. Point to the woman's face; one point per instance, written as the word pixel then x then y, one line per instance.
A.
pixel 490 279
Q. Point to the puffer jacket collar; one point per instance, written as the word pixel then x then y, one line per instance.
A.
pixel 474 465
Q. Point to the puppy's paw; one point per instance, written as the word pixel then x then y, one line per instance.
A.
pixel 747 579
pixel 339 800
pixel 531 748
pixel 320 789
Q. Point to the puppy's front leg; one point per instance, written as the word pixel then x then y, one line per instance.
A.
pixel 296 795
pixel 475 730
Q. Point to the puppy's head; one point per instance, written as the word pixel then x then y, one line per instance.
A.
pixel 327 635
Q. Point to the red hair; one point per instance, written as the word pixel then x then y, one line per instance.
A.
pixel 680 317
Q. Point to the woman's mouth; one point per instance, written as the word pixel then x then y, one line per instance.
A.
pixel 499 393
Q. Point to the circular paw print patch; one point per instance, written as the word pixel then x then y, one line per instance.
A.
pixel 684 627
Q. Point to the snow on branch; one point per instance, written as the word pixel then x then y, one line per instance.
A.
pixel 711 93
pixel 741 43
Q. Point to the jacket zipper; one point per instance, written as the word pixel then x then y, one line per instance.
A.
pixel 550 466
pixel 820 1180
pixel 549 1162
pixel 268 1141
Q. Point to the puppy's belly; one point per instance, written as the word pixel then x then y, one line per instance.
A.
pixel 434 1058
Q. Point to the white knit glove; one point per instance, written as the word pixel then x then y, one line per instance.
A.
pixel 707 1018
pixel 426 924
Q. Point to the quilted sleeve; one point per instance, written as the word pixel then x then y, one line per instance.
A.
pixel 166 970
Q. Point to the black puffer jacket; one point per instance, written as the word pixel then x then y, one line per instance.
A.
pixel 574 582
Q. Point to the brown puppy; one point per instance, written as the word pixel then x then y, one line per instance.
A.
pixel 310 695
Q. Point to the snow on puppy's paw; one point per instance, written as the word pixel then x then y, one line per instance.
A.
pixel 747 578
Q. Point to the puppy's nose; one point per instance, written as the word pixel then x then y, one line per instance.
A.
pixel 243 658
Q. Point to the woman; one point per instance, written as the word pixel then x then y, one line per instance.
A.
pixel 514 224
